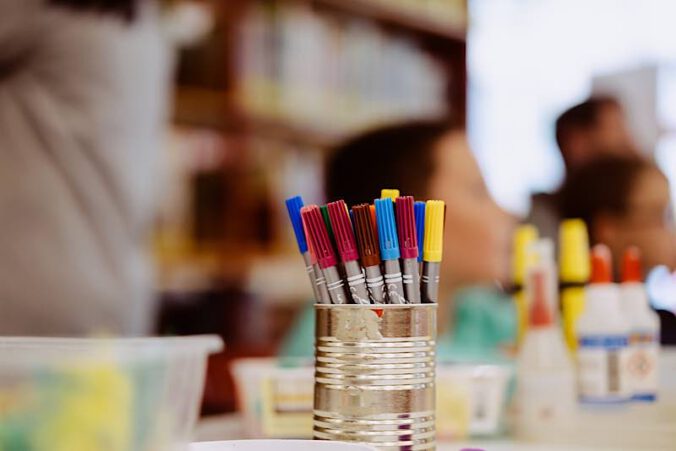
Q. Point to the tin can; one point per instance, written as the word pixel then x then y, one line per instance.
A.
pixel 375 375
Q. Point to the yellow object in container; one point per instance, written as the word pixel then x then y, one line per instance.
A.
pixel 524 237
pixel 573 274
pixel 92 412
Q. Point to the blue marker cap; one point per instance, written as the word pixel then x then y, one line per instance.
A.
pixel 293 205
pixel 419 208
pixel 387 229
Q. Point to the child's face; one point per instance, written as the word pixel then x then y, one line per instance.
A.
pixel 647 224
pixel 477 232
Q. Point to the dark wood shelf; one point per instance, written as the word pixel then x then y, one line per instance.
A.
pixel 395 19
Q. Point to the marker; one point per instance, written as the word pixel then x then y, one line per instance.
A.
pixel 293 206
pixel 347 248
pixel 322 289
pixel 369 251
pixel 389 250
pixel 326 257
pixel 327 223
pixel 389 194
pixel 420 229
pixel 433 248
pixel 408 244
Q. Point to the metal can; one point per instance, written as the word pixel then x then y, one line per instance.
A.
pixel 375 375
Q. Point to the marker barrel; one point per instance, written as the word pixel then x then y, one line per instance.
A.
pixel 430 282
pixel 311 274
pixel 336 286
pixel 411 280
pixel 322 291
pixel 394 282
pixel 356 282
pixel 376 284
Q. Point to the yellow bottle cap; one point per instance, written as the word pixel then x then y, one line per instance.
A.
pixel 434 231
pixel 391 193
pixel 573 251
pixel 524 236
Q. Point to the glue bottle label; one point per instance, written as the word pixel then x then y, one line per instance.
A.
pixel 642 365
pixel 603 368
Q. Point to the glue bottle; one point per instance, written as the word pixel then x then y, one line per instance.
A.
pixel 545 398
pixel 603 338
pixel 644 330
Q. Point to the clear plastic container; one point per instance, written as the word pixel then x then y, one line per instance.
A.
pixel 69 394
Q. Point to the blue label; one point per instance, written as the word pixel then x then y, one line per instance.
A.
pixel 604 341
pixel 647 397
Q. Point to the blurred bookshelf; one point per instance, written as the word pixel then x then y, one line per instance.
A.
pixel 277 84
pixel 258 106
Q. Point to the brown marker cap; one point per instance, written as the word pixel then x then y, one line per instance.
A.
pixel 367 240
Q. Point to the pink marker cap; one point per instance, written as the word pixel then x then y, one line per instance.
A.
pixel 319 237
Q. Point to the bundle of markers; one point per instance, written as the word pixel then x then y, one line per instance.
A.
pixel 387 252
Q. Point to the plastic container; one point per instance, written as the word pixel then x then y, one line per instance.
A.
pixel 375 375
pixel 603 337
pixel 644 330
pixel 278 445
pixel 275 401
pixel 68 394
pixel 471 400
pixel 544 401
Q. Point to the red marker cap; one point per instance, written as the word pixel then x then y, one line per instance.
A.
pixel 601 271
pixel 631 265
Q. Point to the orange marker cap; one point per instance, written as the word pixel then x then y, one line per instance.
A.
pixel 601 264
pixel 631 265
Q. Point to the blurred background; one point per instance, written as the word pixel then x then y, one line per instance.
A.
pixel 258 94
pixel 275 84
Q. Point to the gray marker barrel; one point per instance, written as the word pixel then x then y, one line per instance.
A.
pixel 323 292
pixel 356 282
pixel 376 284
pixel 430 283
pixel 336 286
pixel 311 274
pixel 394 282
pixel 411 280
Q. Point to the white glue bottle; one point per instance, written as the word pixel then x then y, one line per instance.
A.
pixel 545 398
pixel 644 330
pixel 603 338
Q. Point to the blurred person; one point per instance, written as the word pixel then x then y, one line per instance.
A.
pixel 625 201
pixel 432 160
pixel 592 129
pixel 83 103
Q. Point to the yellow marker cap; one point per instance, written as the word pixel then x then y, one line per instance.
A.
pixel 433 243
pixel 524 236
pixel 391 193
pixel 573 251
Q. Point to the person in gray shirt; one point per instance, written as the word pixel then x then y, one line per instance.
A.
pixel 83 106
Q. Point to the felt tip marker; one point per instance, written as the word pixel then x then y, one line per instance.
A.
pixel 419 208
pixel 389 250
pixel 369 252
pixel 347 249
pixel 408 245
pixel 432 249
pixel 322 289
pixel 386 193
pixel 326 257
pixel 293 206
